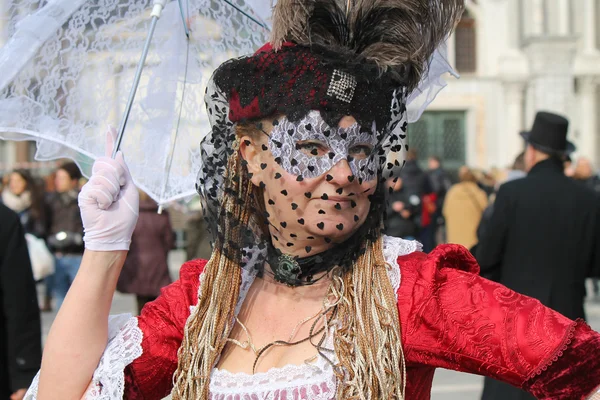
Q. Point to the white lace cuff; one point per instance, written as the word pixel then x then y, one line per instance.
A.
pixel 124 346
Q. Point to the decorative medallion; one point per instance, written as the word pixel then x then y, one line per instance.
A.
pixel 288 271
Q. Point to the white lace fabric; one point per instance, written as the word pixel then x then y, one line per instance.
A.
pixel 314 380
pixel 68 65
pixel 124 346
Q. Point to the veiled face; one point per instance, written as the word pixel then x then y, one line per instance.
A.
pixel 304 206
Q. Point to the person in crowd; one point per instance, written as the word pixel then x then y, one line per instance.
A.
pixel 416 183
pixel 4 181
pixel 517 171
pixel 403 213
pixel 584 173
pixel 25 197
pixel 65 233
pixel 439 183
pixel 463 207
pixel 414 179
pixel 20 329
pixel 438 178
pixel 543 239
pixel 146 269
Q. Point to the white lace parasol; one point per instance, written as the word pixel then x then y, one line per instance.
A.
pixel 68 65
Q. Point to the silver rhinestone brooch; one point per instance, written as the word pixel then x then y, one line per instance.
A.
pixel 342 86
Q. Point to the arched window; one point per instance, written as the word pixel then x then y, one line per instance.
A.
pixel 466 44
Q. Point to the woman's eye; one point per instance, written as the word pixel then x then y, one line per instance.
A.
pixel 360 151
pixel 312 148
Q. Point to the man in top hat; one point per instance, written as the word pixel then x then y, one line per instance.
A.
pixel 543 238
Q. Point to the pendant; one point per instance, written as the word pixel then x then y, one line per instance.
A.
pixel 288 270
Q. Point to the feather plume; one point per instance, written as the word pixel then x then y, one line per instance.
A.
pixel 399 36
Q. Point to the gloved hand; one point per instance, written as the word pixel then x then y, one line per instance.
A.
pixel 109 202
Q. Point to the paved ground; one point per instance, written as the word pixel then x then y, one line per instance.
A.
pixel 448 385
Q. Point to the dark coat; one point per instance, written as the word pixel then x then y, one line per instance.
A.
pixel 20 329
pixel 64 216
pixel 395 224
pixel 414 179
pixel 440 183
pixel 146 270
pixel 543 240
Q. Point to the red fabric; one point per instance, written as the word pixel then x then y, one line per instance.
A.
pixel 450 318
pixel 266 61
pixel 429 207
pixel 574 371
pixel 162 322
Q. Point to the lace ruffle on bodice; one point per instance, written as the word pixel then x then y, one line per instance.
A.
pixel 307 381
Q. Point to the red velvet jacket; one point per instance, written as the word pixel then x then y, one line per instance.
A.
pixel 450 318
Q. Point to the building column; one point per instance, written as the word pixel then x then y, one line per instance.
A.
pixel 589 29
pixel 534 17
pixel 514 97
pixel 589 143
pixel 564 16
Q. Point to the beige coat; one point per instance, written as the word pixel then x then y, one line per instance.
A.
pixel 463 207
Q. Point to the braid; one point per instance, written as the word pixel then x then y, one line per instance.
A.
pixel 209 324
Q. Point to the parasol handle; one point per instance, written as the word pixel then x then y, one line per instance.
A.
pixel 157 8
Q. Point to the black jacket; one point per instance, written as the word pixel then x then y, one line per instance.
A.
pixel 414 179
pixel 543 239
pixel 64 216
pixel 395 224
pixel 20 330
pixel 440 183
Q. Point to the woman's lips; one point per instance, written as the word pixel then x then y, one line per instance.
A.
pixel 338 199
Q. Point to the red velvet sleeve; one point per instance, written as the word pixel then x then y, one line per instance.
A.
pixel 452 318
pixel 149 377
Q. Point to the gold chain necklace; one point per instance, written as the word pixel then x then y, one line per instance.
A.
pixel 248 344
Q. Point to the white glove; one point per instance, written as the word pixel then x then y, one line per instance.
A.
pixel 109 202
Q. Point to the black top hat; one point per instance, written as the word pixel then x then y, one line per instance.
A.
pixel 549 134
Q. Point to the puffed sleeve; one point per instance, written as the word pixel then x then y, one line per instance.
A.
pixel 453 318
pixel 161 322
pixel 141 354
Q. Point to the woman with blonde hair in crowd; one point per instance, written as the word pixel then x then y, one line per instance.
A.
pixel 463 208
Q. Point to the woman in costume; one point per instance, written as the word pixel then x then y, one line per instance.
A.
pixel 303 297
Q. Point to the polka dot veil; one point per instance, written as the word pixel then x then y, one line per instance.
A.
pixel 311 184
